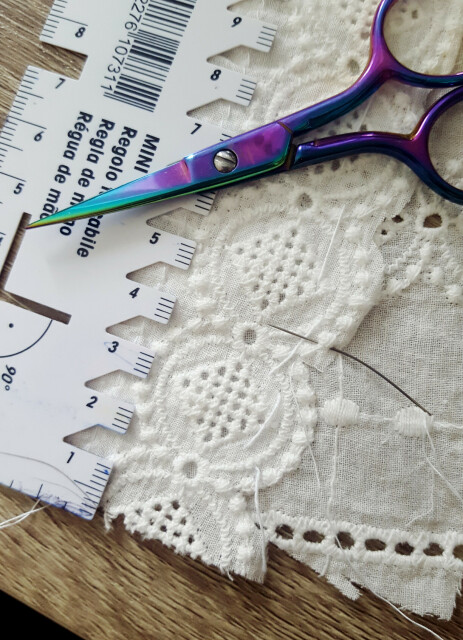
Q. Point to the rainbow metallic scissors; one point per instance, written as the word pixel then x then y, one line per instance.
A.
pixel 273 148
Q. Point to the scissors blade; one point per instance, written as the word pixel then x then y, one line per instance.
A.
pixel 246 156
pixel 174 180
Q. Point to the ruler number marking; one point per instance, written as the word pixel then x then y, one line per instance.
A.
pixel 7 377
pixel 70 457
pixel 114 346
pixel 155 237
pixel 92 403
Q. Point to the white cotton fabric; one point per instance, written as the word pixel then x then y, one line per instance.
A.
pixel 353 479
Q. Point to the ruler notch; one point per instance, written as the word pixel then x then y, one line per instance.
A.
pixel 137 299
pixel 93 408
pixel 116 354
pixel 68 26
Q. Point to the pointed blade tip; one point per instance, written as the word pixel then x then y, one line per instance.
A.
pixel 35 225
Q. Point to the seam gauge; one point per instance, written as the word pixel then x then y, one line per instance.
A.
pixel 66 140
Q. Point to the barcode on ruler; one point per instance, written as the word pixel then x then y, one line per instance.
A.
pixel 154 48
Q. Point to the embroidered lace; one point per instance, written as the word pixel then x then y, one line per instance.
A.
pixel 352 478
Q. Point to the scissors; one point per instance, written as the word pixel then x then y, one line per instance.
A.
pixel 273 148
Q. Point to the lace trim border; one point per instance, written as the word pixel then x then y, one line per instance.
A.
pixel 306 536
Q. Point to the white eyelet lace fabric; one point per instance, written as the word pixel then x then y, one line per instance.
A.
pixel 245 435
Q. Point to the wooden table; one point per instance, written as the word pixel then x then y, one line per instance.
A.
pixel 114 586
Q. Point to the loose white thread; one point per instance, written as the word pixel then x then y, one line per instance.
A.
pixel 329 505
pixel 330 521
pixel 430 511
pixel 341 377
pixel 317 474
pixel 446 482
pixel 267 421
pixel 330 246
pixel 259 521
pixel 404 615
pixel 292 354
pixel 22 516
pixel 309 444
pixel 346 558
pixel 294 351
pixel 341 215
pixel 364 581
pixel 436 470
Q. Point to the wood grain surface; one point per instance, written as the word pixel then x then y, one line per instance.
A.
pixel 112 586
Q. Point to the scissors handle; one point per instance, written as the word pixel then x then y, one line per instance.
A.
pixel 411 149
pixel 382 66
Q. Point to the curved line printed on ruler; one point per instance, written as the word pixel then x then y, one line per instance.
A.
pixel 47 464
pixel 11 355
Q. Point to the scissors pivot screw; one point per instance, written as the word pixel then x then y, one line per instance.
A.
pixel 225 161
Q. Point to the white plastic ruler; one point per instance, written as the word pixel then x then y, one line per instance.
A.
pixel 67 140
